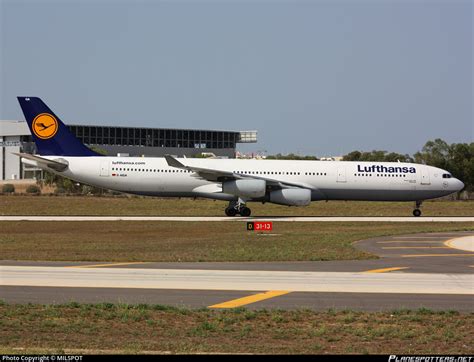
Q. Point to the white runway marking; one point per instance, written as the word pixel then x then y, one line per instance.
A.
pixel 238 280
pixel 463 243
pixel 225 218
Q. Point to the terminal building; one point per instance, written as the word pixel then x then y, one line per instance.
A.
pixel 15 137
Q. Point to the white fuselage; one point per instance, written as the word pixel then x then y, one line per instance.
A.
pixel 328 180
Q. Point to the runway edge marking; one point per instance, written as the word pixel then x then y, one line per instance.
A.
pixel 250 299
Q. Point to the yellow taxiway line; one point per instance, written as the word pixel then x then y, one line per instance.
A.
pixel 250 299
pixel 103 265
pixel 385 270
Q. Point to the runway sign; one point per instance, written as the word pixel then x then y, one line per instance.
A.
pixel 259 226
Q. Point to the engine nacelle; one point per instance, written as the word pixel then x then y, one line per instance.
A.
pixel 292 197
pixel 245 188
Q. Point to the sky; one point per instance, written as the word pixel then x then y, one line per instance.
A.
pixel 312 77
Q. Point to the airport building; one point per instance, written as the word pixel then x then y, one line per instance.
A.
pixel 15 137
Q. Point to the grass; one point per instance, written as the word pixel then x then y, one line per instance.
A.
pixel 114 328
pixel 196 241
pixel 148 206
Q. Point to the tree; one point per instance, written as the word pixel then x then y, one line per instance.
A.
pixel 377 156
pixel 457 158
pixel 434 153
pixel 65 185
pixel 290 156
pixel 353 156
pixel 395 157
pixel 460 163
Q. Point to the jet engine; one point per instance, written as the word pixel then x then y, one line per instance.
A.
pixel 245 188
pixel 292 197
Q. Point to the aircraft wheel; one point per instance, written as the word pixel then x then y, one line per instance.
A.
pixel 417 212
pixel 230 211
pixel 245 211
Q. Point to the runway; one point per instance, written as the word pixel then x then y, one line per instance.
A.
pixel 414 271
pixel 242 280
pixel 230 219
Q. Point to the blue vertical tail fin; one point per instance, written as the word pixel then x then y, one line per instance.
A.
pixel 51 136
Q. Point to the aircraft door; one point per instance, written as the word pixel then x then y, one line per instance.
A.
pixel 341 174
pixel 425 176
pixel 104 168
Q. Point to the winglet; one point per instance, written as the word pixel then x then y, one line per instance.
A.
pixel 173 162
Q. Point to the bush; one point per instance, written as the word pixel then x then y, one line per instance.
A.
pixel 33 189
pixel 8 189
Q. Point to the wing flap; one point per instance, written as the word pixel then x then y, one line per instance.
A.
pixel 215 175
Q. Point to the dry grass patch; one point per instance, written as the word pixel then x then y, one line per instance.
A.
pixel 195 241
pixel 148 206
pixel 137 328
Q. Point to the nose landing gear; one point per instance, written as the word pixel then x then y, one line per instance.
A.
pixel 417 211
pixel 237 207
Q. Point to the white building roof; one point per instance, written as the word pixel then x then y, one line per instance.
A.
pixel 14 128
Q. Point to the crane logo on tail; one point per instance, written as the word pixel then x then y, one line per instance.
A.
pixel 45 126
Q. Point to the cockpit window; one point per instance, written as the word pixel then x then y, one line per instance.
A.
pixel 447 175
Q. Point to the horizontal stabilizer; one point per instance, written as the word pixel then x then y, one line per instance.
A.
pixel 57 165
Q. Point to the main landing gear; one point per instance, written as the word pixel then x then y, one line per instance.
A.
pixel 237 207
pixel 417 211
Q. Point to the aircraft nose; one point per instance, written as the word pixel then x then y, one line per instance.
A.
pixel 459 185
pixel 456 185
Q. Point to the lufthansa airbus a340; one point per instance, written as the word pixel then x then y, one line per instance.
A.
pixel 293 183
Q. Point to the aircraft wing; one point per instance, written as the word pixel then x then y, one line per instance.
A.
pixel 58 165
pixel 215 175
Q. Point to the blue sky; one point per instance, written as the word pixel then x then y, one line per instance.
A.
pixel 313 77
